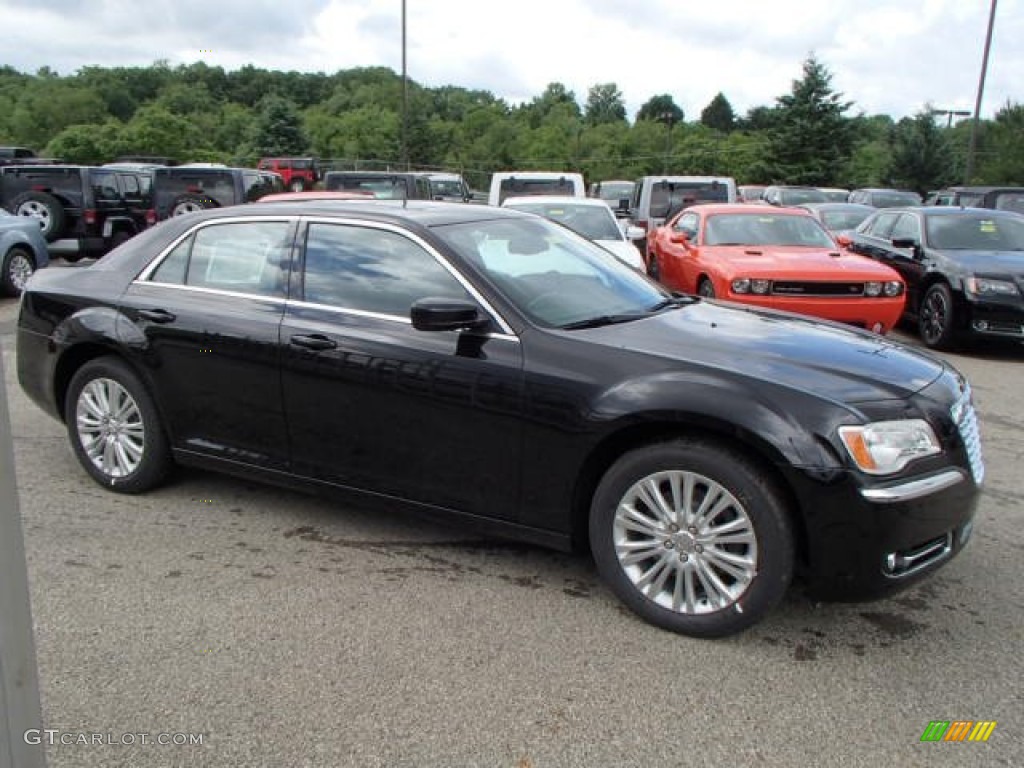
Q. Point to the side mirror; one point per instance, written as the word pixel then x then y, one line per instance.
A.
pixel 434 314
pixel 845 241
pixel 634 232
pixel 679 238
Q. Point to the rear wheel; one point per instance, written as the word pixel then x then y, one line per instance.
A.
pixel 114 427
pixel 297 185
pixel 692 536
pixel 44 207
pixel 18 266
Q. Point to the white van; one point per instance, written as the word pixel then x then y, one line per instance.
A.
pixel 530 183
pixel 656 198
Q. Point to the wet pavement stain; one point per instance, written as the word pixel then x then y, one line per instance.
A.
pixel 173 574
pixel 893 624
pixel 577 588
pixel 804 653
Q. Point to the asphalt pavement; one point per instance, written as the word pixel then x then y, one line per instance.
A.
pixel 281 629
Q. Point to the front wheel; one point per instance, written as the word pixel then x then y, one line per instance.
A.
pixel 692 536
pixel 114 427
pixel 297 185
pixel 936 317
pixel 18 266
pixel 706 289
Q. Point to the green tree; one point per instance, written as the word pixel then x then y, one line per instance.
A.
pixel 922 159
pixel 718 114
pixel 86 144
pixel 657 107
pixel 278 129
pixel 605 104
pixel 1001 148
pixel 811 139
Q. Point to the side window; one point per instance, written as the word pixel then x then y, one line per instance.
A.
pixel 372 270
pixel 130 184
pixel 247 257
pixel 104 186
pixel 907 228
pixel 172 269
pixel 882 226
pixel 687 223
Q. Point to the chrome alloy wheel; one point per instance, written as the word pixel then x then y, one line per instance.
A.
pixel 110 427
pixel 186 206
pixel 685 542
pixel 20 269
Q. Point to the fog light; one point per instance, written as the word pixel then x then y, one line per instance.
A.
pixel 980 325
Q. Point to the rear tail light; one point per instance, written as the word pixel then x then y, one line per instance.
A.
pixel 89 215
pixel 151 217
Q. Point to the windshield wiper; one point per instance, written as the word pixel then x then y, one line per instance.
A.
pixel 677 300
pixel 597 322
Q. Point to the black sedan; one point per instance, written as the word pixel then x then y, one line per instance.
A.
pixel 964 269
pixel 500 370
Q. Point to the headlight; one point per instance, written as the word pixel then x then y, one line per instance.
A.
pixel 893 288
pixel 986 286
pixel 741 285
pixel 884 447
pixel 760 286
pixel 872 289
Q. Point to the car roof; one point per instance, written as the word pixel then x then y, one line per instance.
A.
pixel 427 213
pixel 747 209
pixel 317 194
pixel 836 206
pixel 591 202
pixel 953 210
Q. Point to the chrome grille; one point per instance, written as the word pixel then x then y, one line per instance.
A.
pixel 966 420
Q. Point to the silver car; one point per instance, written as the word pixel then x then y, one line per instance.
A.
pixel 22 250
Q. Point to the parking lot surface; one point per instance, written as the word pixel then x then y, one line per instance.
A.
pixel 286 630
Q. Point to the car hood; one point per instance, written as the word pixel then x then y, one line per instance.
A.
pixel 623 251
pixel 799 262
pixel 829 360
pixel 988 261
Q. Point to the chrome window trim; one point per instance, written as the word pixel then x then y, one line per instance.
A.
pixel 144 277
pixel 914 489
pixel 214 291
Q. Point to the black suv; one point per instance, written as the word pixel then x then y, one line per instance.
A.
pixel 82 210
pixel 384 185
pixel 998 198
pixel 186 188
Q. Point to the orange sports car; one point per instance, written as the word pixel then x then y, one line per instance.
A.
pixel 780 258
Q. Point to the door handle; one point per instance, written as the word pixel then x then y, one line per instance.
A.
pixel 157 315
pixel 314 341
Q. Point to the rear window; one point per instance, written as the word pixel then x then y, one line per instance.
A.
pixel 383 188
pixel 532 187
pixel 894 199
pixel 218 185
pixel 668 197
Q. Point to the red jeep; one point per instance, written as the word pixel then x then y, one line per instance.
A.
pixel 298 173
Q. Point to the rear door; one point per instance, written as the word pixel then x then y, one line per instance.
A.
pixel 371 402
pixel 207 317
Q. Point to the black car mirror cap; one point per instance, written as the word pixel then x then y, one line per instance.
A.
pixel 904 242
pixel 440 314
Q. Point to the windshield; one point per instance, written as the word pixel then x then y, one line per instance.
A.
pixel 765 229
pixel 553 276
pixel 383 188
pixel 836 195
pixel 975 233
pixel 839 220
pixel 894 199
pixel 446 188
pixel 1010 201
pixel 800 196
pixel 615 191
pixel 519 187
pixel 591 221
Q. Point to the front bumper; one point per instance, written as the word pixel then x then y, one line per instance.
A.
pixel 994 320
pixel 867 542
pixel 881 313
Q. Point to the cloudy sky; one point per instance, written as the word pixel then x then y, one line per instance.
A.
pixel 888 56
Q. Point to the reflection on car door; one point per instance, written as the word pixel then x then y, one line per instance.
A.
pixel 909 262
pixel 210 314
pixel 374 404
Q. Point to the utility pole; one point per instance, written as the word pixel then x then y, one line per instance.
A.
pixel 949 113
pixel 972 146
pixel 405 99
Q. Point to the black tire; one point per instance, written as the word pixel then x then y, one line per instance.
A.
pixel 706 288
pixel 297 185
pixel 18 265
pixel 44 207
pixel 652 267
pixel 190 204
pixel 936 318
pixel 127 452
pixel 691 555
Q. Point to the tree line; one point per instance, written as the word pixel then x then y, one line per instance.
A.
pixel 196 112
